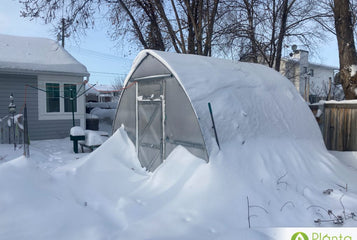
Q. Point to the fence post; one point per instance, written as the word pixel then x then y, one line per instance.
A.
pixel 26 135
pixel 214 126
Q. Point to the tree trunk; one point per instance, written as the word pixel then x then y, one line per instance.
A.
pixel 135 24
pixel 154 37
pixel 169 27
pixel 190 29
pixel 346 46
pixel 251 30
pixel 211 21
pixel 282 33
pixel 194 15
pixel 178 20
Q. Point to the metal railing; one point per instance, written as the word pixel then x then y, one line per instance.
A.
pixel 11 130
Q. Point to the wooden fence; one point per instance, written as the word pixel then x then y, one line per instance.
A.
pixel 339 126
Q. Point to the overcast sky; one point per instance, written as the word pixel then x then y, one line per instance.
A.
pixel 103 60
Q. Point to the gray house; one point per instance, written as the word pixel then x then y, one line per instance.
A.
pixel 41 73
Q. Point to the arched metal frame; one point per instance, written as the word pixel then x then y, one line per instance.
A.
pixel 158 116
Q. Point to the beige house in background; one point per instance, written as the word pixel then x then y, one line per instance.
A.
pixel 313 81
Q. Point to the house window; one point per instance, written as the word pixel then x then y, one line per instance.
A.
pixel 54 93
pixel 70 92
pixel 305 69
pixel 52 97
pixel 311 72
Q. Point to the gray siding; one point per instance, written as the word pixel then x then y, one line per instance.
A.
pixel 15 83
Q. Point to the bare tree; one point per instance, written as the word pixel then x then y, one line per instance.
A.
pixel 285 9
pixel 268 25
pixel 255 29
pixel 118 82
pixel 326 90
pixel 117 86
pixel 188 26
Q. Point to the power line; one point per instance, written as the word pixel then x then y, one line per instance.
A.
pixel 100 54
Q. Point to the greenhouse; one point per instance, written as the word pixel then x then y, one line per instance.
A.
pixel 166 98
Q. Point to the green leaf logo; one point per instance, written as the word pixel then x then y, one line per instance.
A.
pixel 299 236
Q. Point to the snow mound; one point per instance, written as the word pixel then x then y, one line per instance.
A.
pixel 34 205
pixel 107 195
pixel 77 131
pixel 186 198
pixel 103 113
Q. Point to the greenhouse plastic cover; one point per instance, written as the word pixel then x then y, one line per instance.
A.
pixel 249 100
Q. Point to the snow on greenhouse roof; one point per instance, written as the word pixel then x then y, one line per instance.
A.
pixel 36 54
pixel 248 100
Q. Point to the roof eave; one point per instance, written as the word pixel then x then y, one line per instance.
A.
pixel 36 72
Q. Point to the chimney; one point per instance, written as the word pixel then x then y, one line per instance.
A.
pixel 302 56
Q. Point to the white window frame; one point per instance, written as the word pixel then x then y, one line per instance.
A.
pixel 61 115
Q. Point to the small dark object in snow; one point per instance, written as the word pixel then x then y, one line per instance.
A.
pixel 344 187
pixel 85 204
pixel 338 220
pixel 243 142
pixel 328 191
pixel 133 169
pixel 288 202
pixel 317 221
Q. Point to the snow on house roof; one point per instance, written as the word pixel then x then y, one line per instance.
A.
pixel 240 94
pixel 36 54
pixel 311 63
pixel 324 66
pixel 100 89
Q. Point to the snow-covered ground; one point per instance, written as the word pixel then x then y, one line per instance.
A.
pixel 57 194
pixel 348 158
pixel 47 155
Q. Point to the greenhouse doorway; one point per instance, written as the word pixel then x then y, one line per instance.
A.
pixel 150 122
